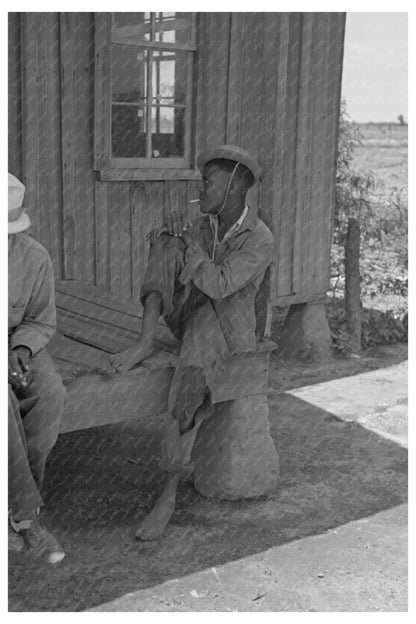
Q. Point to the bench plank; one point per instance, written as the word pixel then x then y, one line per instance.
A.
pixel 98 396
pixel 96 400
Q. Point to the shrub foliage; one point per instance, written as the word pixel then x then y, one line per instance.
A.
pixel 383 248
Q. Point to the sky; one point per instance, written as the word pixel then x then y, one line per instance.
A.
pixel 375 66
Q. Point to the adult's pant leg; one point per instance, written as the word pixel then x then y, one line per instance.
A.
pixel 24 496
pixel 41 408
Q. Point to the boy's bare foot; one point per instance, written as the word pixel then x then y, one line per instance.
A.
pixel 125 360
pixel 156 521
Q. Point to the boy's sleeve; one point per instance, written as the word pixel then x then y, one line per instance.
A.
pixel 241 267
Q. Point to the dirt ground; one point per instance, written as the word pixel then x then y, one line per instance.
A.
pixel 334 471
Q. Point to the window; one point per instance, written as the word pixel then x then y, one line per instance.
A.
pixel 144 90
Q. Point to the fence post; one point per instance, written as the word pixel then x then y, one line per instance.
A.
pixel 352 284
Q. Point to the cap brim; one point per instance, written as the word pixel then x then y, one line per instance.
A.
pixel 21 224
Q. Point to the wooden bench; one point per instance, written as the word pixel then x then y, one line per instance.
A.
pixel 234 454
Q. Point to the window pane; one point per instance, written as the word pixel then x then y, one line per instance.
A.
pixel 168 132
pixel 128 74
pixel 128 131
pixel 135 28
pixel 173 27
pixel 163 120
pixel 169 78
pixel 131 28
pixel 128 84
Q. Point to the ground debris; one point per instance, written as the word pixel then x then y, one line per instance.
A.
pixel 196 594
pixel 258 597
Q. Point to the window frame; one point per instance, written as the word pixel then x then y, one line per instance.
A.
pixel 116 168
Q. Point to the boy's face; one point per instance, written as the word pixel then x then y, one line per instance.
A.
pixel 212 188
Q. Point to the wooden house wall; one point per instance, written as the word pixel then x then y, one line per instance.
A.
pixel 15 95
pixel 268 82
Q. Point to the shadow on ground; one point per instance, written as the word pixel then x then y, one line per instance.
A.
pixel 101 482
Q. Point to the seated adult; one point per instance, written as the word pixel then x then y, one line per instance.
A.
pixel 36 392
pixel 204 281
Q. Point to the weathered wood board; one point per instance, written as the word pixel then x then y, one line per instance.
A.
pixel 103 321
pixel 97 395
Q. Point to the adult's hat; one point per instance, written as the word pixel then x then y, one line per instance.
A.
pixel 230 152
pixel 18 219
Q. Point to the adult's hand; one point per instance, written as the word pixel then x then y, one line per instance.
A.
pixel 19 366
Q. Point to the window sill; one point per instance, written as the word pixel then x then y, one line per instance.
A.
pixel 121 175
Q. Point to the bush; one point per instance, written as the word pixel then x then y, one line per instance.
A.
pixel 378 327
pixel 383 248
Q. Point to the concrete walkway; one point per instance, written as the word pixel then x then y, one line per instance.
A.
pixel 377 400
pixel 358 566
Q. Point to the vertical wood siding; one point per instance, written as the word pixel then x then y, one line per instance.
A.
pixel 15 95
pixel 125 214
pixel 268 82
pixel 41 130
pixel 211 79
pixel 77 120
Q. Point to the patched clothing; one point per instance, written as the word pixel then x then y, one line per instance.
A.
pixel 230 280
pixel 233 278
pixel 208 294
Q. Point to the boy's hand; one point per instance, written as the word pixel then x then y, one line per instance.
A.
pixel 156 233
pixel 176 222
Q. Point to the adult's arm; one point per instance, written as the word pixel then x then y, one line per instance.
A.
pixel 39 321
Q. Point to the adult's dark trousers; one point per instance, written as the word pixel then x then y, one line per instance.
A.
pixel 35 415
